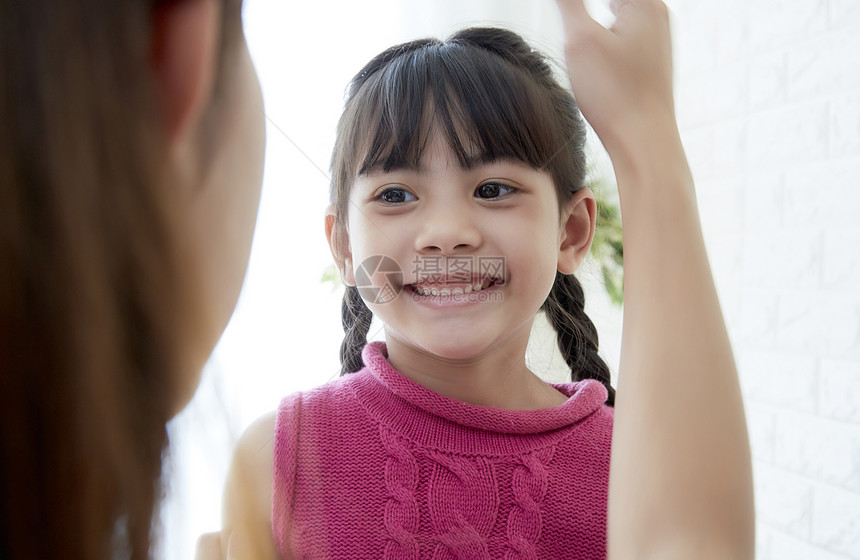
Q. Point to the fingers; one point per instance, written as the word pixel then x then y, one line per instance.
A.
pixel 208 547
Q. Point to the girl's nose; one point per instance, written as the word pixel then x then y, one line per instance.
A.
pixel 447 230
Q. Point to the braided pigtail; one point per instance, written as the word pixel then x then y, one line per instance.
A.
pixel 577 335
pixel 356 318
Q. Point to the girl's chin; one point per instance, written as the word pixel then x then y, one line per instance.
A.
pixel 459 353
pixel 453 348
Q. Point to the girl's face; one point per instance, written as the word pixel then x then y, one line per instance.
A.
pixel 477 250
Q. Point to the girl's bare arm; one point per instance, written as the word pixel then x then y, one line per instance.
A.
pixel 246 532
pixel 680 480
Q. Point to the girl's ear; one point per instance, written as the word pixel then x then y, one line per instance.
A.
pixel 184 51
pixel 338 242
pixel 579 220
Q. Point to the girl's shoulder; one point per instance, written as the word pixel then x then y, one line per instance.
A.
pixel 252 482
pixel 248 491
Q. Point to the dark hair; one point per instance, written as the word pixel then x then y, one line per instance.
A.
pixel 491 96
pixel 93 301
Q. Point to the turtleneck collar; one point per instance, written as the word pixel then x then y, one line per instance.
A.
pixel 435 420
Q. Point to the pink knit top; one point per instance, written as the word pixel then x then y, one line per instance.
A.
pixel 374 465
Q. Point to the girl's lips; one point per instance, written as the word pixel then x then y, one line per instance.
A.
pixel 451 288
pixel 454 295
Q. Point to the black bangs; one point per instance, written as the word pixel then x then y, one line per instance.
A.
pixel 485 91
pixel 485 108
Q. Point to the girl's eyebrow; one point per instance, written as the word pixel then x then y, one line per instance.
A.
pixel 380 169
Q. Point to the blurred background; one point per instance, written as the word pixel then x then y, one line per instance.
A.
pixel 768 99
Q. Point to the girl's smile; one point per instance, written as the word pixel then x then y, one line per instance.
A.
pixel 455 290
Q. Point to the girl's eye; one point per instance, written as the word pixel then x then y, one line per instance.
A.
pixel 493 190
pixel 395 196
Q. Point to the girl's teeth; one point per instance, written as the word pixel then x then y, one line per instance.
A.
pixel 426 291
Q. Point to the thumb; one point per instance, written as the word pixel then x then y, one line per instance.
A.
pixel 581 32
pixel 574 15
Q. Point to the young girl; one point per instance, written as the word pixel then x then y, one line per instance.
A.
pixel 459 212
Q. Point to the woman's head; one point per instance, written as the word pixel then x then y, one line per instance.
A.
pixel 124 128
pixel 489 97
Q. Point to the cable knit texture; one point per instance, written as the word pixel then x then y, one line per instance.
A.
pixel 374 465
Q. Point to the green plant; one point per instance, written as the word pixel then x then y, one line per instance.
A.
pixel 331 275
pixel 607 248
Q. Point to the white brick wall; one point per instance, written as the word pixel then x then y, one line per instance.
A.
pixel 769 105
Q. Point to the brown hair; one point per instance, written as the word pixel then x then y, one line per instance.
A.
pixel 491 96
pixel 93 304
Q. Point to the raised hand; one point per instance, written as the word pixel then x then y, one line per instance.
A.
pixel 680 483
pixel 621 76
